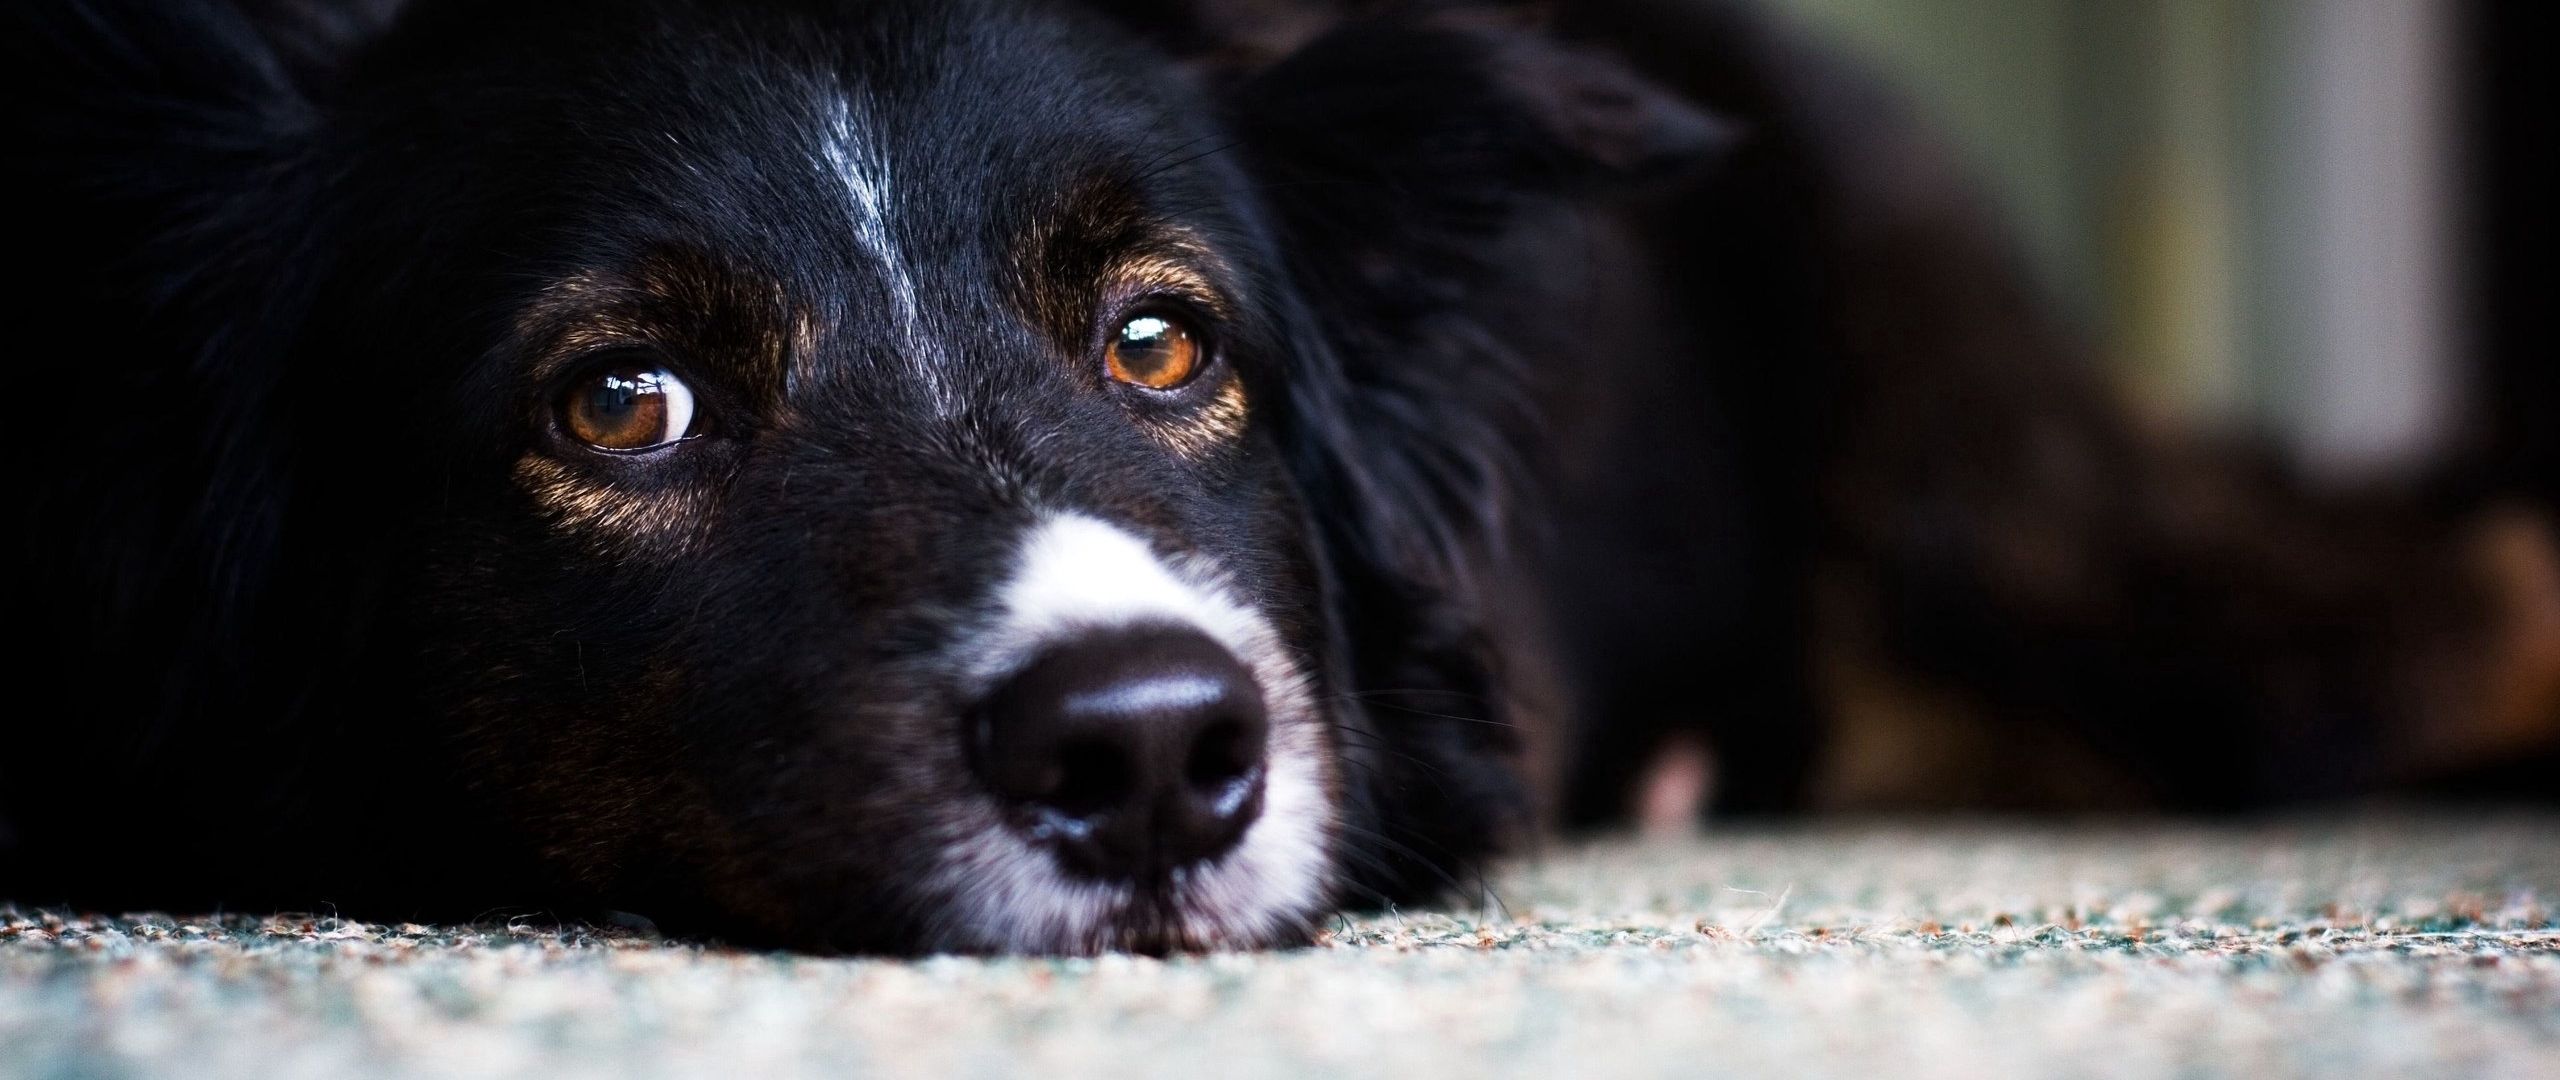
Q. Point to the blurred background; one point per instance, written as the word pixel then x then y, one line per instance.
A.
pixel 2325 219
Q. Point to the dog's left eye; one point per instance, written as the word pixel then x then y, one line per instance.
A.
pixel 1156 351
pixel 628 407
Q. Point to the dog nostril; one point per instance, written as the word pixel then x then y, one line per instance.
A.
pixel 1221 756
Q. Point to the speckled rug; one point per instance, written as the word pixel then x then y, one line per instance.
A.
pixel 2379 945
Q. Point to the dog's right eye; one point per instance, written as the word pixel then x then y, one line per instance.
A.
pixel 627 408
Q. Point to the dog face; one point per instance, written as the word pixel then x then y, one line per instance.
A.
pixel 926 476
pixel 884 525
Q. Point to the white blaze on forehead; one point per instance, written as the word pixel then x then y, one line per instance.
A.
pixel 853 154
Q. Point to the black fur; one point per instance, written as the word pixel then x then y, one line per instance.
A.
pixel 1565 390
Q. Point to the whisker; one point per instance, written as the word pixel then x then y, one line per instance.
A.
pixel 1180 162
pixel 1417 858
pixel 1149 167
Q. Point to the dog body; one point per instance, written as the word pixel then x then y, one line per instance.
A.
pixel 784 468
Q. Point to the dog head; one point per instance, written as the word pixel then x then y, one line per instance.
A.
pixel 893 476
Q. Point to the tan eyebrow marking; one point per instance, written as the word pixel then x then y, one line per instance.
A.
pixel 678 301
pixel 1177 274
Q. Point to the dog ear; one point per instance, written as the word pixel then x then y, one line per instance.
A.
pixel 1468 108
pixel 178 151
pixel 1398 156
pixel 1397 153
pixel 175 152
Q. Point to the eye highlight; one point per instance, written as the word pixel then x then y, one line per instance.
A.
pixel 1155 350
pixel 627 408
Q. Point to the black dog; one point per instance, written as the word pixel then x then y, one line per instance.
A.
pixel 978 476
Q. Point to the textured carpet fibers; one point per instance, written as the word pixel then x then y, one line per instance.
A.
pixel 2371 946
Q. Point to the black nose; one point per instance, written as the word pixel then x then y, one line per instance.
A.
pixel 1134 752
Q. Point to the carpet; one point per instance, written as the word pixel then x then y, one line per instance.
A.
pixel 2381 944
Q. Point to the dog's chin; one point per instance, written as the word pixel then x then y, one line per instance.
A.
pixel 1185 911
pixel 998 892
pixel 1162 918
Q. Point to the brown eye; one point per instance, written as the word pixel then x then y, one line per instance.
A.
pixel 632 407
pixel 1158 352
